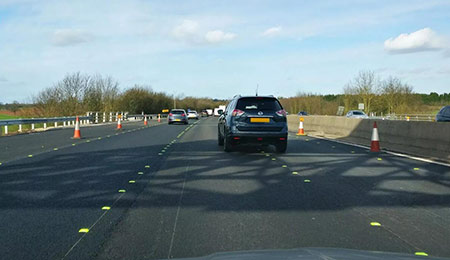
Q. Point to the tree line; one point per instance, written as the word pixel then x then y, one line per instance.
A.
pixel 78 93
pixel 380 96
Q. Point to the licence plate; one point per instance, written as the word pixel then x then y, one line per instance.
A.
pixel 177 119
pixel 259 120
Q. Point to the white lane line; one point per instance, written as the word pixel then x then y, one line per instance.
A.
pixel 388 152
pixel 178 212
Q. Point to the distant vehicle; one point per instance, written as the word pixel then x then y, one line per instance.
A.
pixel 253 120
pixel 302 113
pixel 216 110
pixel 210 112
pixel 178 116
pixel 192 114
pixel 356 114
pixel 204 113
pixel 443 115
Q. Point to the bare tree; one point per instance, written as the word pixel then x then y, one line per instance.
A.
pixel 365 86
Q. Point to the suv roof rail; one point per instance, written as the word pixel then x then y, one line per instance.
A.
pixel 238 95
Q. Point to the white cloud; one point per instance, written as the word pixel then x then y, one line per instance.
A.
pixel 218 36
pixel 190 31
pixel 418 41
pixel 67 37
pixel 187 30
pixel 273 31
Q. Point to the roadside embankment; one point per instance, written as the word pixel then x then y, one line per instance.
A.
pixel 425 139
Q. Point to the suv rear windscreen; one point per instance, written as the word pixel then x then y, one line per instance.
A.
pixel 178 112
pixel 258 103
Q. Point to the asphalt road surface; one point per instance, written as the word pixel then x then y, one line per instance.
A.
pixel 165 191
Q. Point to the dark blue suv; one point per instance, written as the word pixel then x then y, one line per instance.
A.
pixel 253 120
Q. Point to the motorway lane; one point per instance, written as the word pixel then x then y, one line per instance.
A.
pixel 318 194
pixel 196 199
pixel 47 198
pixel 20 146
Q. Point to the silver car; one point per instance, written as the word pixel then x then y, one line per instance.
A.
pixel 178 116
pixel 356 114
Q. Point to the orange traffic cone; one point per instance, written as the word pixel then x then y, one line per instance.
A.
pixel 301 131
pixel 159 118
pixel 119 124
pixel 77 133
pixel 145 120
pixel 375 143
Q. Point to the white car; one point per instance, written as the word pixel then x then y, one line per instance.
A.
pixel 356 114
pixel 192 114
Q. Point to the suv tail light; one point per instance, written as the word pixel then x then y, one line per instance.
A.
pixel 281 112
pixel 237 112
pixel 183 114
pixel 170 114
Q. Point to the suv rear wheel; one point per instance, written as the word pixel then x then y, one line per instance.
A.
pixel 281 147
pixel 219 138
pixel 226 144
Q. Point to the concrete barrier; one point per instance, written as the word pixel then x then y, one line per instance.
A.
pixel 425 139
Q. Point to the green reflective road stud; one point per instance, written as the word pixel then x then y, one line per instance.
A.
pixel 30 155
pixel 131 181
pixel 273 159
pixel 55 149
pixel 106 208
pixel 318 142
pixel 353 152
pixel 375 224
pixel 307 181
pixel 73 144
pixel 294 173
pixel 284 166
pixel 99 138
pixel 42 146
pixel 1 163
pixel 122 191
pixel 160 154
pixel 333 147
pixel 88 141
pixel 421 253
pixel 306 139
pixel 147 166
pixel 416 169
pixel 267 154
pixel 163 151
pixel 140 173
pixel 379 159
pixel 108 136
pixel 83 230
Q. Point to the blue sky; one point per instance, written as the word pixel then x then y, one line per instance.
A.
pixel 222 48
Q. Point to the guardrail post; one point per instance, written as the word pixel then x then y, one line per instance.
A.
pixel 20 128
pixel 110 116
pixel 56 124
pixel 96 117
pixel 104 117
pixel 117 115
pixel 6 129
pixel 45 125
pixel 64 123
pixel 32 127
